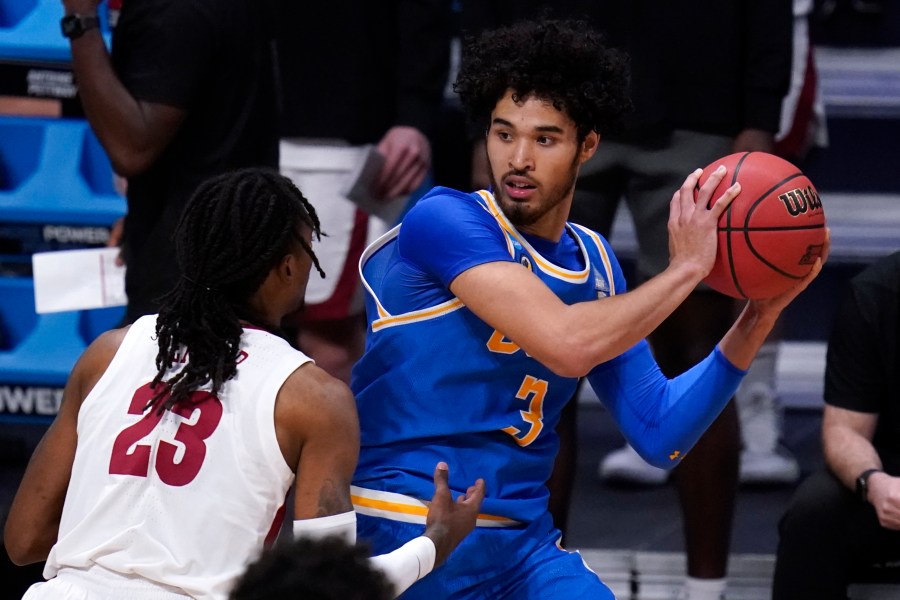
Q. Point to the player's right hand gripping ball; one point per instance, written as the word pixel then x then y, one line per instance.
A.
pixel 772 233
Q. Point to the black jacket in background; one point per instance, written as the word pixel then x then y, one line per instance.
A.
pixel 352 69
pixel 716 66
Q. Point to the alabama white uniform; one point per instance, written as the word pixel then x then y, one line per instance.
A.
pixel 175 505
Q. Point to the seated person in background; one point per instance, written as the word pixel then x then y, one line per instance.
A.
pixel 847 515
pixel 178 437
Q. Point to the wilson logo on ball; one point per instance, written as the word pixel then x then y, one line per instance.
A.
pixel 771 234
pixel 800 201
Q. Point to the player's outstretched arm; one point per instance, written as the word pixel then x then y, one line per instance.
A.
pixel 515 302
pixel 448 522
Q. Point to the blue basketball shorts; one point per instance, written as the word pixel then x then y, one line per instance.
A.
pixel 492 563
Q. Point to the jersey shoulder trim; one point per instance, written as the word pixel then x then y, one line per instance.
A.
pixel 514 237
pixel 597 242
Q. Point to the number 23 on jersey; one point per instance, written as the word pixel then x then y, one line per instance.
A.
pixel 131 454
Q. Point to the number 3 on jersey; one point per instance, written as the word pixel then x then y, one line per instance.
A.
pixel 200 419
pixel 536 389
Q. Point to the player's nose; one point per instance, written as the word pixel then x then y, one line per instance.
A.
pixel 521 157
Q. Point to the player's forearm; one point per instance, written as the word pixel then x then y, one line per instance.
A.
pixel 402 567
pixel 32 525
pixel 741 343
pixel 605 329
pixel 407 564
pixel 31 546
pixel 570 339
pixel 663 418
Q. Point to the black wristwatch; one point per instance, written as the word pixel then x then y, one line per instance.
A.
pixel 74 26
pixel 862 483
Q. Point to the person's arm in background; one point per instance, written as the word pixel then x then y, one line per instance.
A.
pixel 133 132
pixel 854 390
pixel 33 523
pixel 423 56
pixel 767 69
pixel 847 442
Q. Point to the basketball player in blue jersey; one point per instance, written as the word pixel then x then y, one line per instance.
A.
pixel 486 308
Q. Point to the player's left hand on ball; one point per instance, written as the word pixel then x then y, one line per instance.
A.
pixel 780 302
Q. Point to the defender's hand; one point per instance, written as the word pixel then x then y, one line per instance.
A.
pixel 448 522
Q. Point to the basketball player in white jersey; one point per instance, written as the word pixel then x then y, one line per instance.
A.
pixel 178 438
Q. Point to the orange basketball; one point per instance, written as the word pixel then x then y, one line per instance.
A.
pixel 771 235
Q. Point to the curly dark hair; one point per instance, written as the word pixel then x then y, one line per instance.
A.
pixel 326 569
pixel 563 61
pixel 234 230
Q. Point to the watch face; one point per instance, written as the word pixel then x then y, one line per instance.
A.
pixel 71 26
pixel 74 26
pixel 862 484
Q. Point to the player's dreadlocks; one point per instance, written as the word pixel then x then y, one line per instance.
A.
pixel 562 61
pixel 234 230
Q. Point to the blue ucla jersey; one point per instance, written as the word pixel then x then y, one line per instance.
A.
pixel 438 383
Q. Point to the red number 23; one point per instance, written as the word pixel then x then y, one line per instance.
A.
pixel 130 457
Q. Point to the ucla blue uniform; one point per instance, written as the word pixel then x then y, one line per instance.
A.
pixel 438 383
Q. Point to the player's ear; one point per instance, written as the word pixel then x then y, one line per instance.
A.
pixel 287 266
pixel 588 146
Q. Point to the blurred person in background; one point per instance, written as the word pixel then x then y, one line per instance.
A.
pixel 361 76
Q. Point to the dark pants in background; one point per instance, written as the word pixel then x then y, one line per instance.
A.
pixel 827 538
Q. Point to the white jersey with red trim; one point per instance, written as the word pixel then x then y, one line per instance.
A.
pixel 185 498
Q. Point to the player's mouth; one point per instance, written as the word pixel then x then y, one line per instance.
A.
pixel 519 188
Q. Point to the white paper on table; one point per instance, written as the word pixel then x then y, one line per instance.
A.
pixel 77 280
